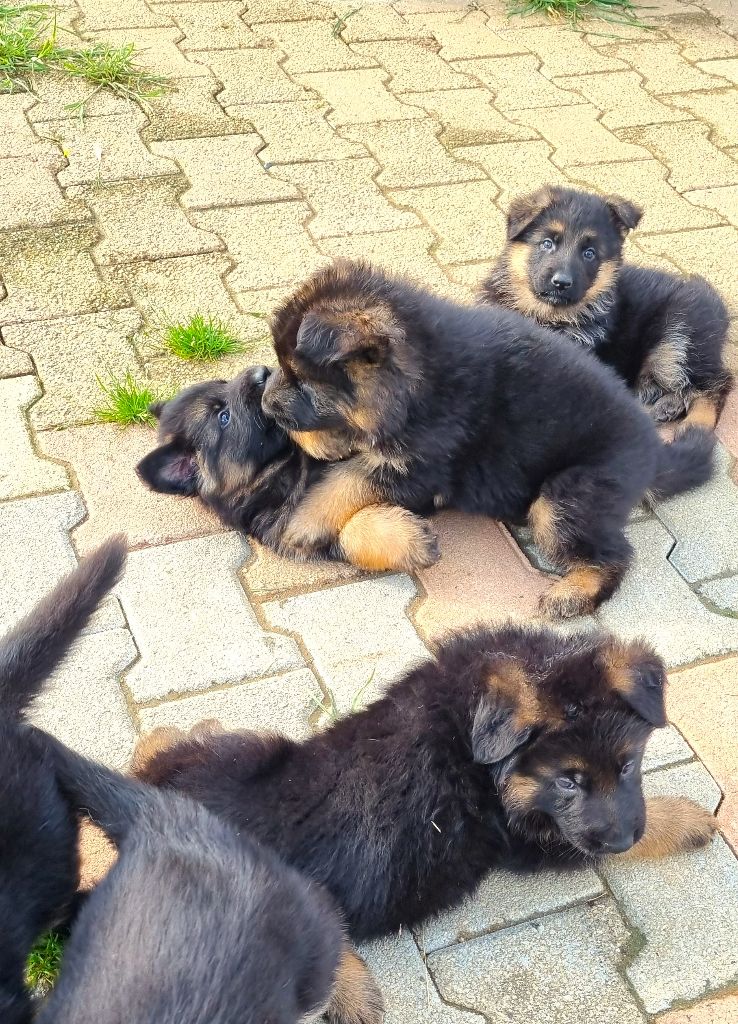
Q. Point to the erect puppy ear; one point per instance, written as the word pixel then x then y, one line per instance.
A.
pixel 625 214
pixel 170 469
pixel 333 335
pixel 523 210
pixel 156 409
pixel 636 673
pixel 508 714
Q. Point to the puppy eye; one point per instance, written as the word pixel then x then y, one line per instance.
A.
pixel 224 417
pixel 568 785
pixel 627 769
pixel 547 244
pixel 589 254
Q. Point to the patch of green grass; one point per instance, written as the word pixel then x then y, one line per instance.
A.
pixel 44 961
pixel 201 337
pixel 619 11
pixel 126 401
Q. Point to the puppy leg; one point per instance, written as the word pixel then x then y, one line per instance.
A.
pixel 326 508
pixel 386 537
pixel 356 997
pixel 673 825
pixel 702 412
pixel 153 743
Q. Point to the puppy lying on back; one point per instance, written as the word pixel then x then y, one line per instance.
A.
pixel 39 869
pixel 513 748
pixel 220 445
pixel 664 334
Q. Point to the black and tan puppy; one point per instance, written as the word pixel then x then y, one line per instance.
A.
pixel 472 407
pixel 220 445
pixel 664 334
pixel 195 923
pixel 39 869
pixel 513 748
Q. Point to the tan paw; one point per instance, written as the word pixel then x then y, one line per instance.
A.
pixel 153 743
pixel 356 997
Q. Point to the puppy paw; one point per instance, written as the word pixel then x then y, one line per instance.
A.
pixel 356 997
pixel 384 537
pixel 562 601
pixel 425 551
pixel 153 743
pixel 674 825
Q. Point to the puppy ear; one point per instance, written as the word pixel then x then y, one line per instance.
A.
pixel 523 210
pixel 625 214
pixel 332 336
pixel 156 409
pixel 508 714
pixel 170 469
pixel 636 673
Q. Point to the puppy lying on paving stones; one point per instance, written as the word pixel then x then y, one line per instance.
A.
pixel 39 869
pixel 512 747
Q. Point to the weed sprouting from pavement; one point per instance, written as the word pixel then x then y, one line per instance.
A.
pixel 201 337
pixel 126 402
pixel 623 12
pixel 44 961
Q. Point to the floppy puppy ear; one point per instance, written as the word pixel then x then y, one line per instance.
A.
pixel 508 714
pixel 156 409
pixel 637 674
pixel 170 469
pixel 625 214
pixel 333 335
pixel 523 210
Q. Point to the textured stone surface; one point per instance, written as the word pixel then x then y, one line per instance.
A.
pixel 31 193
pixel 716 108
pixel 502 163
pixel 666 747
pixel 560 51
pixel 13 363
pixel 517 83
pixel 106 148
pixel 270 575
pixel 295 131
pixel 469 225
pixel 468 117
pixel 22 471
pixel 248 76
pixel 710 251
pixel 312 46
pixel 723 200
pixel 218 640
pixel 110 14
pixel 664 69
pixel 694 162
pixel 413 66
pixel 189 110
pixel 578 137
pixel 157 49
pixel 622 97
pixel 215 24
pixel 467 36
pixel 359 97
pixel 721 1010
pixel 722 593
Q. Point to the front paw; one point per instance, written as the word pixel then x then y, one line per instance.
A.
pixel 564 601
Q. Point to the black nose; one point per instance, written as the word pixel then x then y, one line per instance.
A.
pixel 561 281
pixel 259 375
pixel 617 843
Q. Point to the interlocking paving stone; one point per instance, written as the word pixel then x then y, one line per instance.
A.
pixel 722 593
pixel 258 11
pixel 31 193
pixel 189 110
pixel 413 66
pixel 144 221
pixel 19 139
pixel 96 854
pixel 380 22
pixel 85 690
pixel 410 154
pixel 295 131
pixel 282 704
pixel 215 24
pixel 655 602
pixel 518 84
pixel 664 69
pixel 326 186
pixel 236 177
pixel 721 1010
pixel 408 992
pixel 156 49
pixel 468 117
pixel 693 161
pixel 645 182
pixel 358 635
pixel 103 459
pixel 248 76
pixel 717 109
pixel 464 217
pixel 106 148
pixel 70 354
pixel 503 162
pixel 703 525
pixel 560 51
pixel 312 46
pixel 623 98
pixel 727 69
pixel 723 200
pixel 683 906
pixel 524 973
pixel 269 243
pixel 22 471
pixel 192 583
pixel 703 701
pixel 711 252
pixel 50 273
pixel 269 575
pixel 359 97
pixel 506 897
pixel 666 747
pixel 14 364
pixel 111 14
pixel 465 37
pixel 700 38
pixel 578 137
pixel 57 93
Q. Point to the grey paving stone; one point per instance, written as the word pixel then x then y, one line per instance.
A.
pixel 683 906
pixel 655 602
pixel 84 705
pixel 192 622
pixel 358 635
pixel 284 703
pixel 561 969
pixel 723 594
pixel 409 994
pixel 14 364
pixel 704 525
pixel 666 747
pixel 505 898
pixel 22 472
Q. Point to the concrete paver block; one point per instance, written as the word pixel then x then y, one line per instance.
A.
pixel 56 93
pixel 503 162
pixel 723 594
pixel 561 51
pixel 248 76
pixel 110 14
pixel 295 131
pixel 468 117
pixel 655 602
pixel 711 252
pixel 377 21
pixel 727 69
pixel 666 747
pixel 283 704
pixel 717 109
pixel 215 24
pixel 269 575
pixel 578 137
pixel 22 471
pixel 466 37
pixel 525 972
pixel 413 65
pixel 622 97
pixel 684 907
pixel 359 97
pixel 106 148
pixel 103 458
pixel 192 622
pixel 189 110
pixel 693 161
pixel 312 46
pixel 664 69
pixel 14 364
pixel 19 138
pixel 358 635
pixel 700 37
pixel 259 11
pixel 156 49
pixel 32 196
pixel 70 354
pixel 518 84
pixel 235 178
pixel 721 1010
pixel 723 200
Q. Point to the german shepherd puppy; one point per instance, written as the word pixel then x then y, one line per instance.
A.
pixel 434 403
pixel 39 869
pixel 512 748
pixel 219 444
pixel 563 266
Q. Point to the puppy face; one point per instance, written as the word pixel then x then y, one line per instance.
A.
pixel 216 438
pixel 564 248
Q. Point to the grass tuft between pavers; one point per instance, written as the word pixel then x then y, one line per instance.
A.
pixel 44 963
pixel 204 338
pixel 623 12
pixel 127 401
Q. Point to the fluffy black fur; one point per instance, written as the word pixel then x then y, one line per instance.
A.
pixel 512 748
pixel 472 407
pixel 39 869
pixel 664 334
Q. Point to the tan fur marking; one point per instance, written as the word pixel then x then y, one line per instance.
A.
pixel 327 507
pixel 326 445
pixel 673 825
pixel 619 661
pixel 556 227
pixel 153 743
pixel 703 412
pixel 665 363
pixel 356 998
pixel 543 520
pixel 526 301
pixel 520 793
pixel 383 537
pixel 577 592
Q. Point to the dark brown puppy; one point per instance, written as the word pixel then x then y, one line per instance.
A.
pixel 664 334
pixel 472 407
pixel 513 748
pixel 220 445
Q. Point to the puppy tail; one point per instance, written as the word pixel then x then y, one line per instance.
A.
pixel 685 463
pixel 34 648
